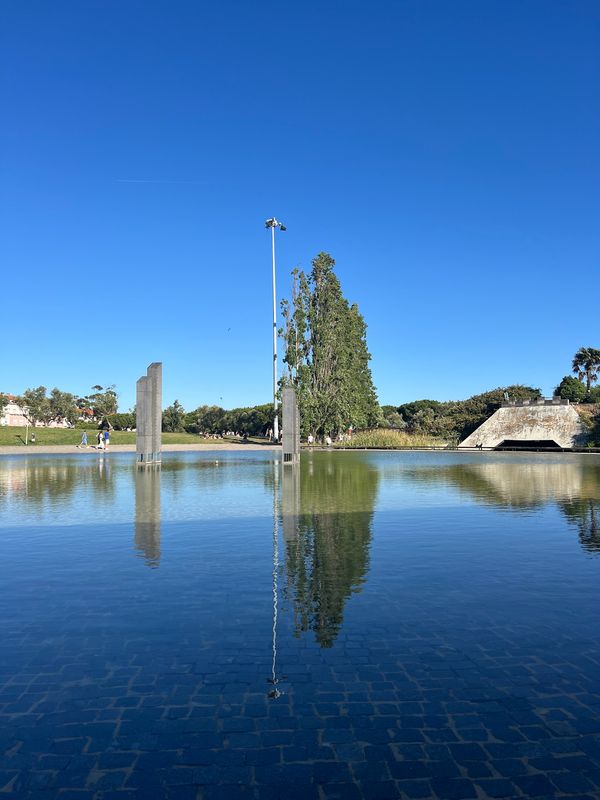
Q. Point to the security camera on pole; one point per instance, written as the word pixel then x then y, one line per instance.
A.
pixel 274 223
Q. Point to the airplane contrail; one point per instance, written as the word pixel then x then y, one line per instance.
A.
pixel 151 180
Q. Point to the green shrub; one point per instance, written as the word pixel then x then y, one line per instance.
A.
pixel 120 422
pixel 594 395
pixel 571 389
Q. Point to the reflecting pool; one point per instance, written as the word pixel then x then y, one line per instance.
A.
pixel 367 625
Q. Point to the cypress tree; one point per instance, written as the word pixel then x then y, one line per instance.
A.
pixel 326 353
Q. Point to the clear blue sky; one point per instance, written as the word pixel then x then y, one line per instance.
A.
pixel 445 153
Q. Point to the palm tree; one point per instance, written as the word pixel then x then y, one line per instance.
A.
pixel 586 364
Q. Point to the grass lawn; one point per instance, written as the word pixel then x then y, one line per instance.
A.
pixel 15 436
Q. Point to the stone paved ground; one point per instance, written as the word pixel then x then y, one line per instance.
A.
pixel 412 722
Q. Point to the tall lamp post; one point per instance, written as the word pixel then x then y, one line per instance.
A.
pixel 272 224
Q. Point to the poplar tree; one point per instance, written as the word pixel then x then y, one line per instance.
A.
pixel 326 353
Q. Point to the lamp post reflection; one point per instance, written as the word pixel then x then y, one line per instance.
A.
pixel 275 692
pixel 147 514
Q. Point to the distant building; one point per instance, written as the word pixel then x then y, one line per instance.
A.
pixel 14 414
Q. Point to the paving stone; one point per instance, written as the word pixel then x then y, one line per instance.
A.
pixel 535 786
pixel 414 790
pixel 453 788
pixel 498 787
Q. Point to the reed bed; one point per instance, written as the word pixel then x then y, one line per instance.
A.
pixel 391 439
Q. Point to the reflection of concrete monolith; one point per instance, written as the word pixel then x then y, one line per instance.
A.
pixel 148 413
pixel 290 505
pixel 147 515
pixel 291 426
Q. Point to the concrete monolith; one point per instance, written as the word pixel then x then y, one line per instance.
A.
pixel 148 412
pixel 291 426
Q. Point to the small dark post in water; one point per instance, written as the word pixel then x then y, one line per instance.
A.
pixel 291 426
pixel 148 412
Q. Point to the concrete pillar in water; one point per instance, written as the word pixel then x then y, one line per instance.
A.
pixel 148 413
pixel 291 426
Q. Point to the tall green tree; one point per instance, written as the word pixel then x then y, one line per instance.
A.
pixel 326 353
pixel 62 406
pixel 103 400
pixel 586 365
pixel 35 405
pixel 173 417
pixel 3 403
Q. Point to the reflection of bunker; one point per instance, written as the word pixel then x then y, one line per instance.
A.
pixel 516 485
pixel 542 426
pixel 521 485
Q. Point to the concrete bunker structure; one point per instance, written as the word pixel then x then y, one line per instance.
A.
pixel 530 425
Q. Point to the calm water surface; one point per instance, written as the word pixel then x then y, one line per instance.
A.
pixel 370 625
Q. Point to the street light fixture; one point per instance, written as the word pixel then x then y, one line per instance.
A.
pixel 272 224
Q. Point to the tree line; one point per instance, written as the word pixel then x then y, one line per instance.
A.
pixel 40 407
pixel 99 408
pixel 456 419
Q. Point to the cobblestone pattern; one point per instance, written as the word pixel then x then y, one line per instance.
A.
pixel 369 718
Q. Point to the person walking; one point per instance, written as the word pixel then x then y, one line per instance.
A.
pixel 100 441
pixel 106 438
pixel 84 441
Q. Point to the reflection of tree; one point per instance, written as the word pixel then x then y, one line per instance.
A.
pixel 585 514
pixel 44 483
pixel 327 515
pixel 147 514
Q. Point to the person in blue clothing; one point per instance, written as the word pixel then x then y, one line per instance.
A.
pixel 84 441
pixel 106 438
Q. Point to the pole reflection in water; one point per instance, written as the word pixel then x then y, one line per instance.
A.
pixel 274 680
pixel 147 514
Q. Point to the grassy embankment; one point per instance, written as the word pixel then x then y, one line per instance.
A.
pixel 71 436
pixel 391 439
pixel 385 439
